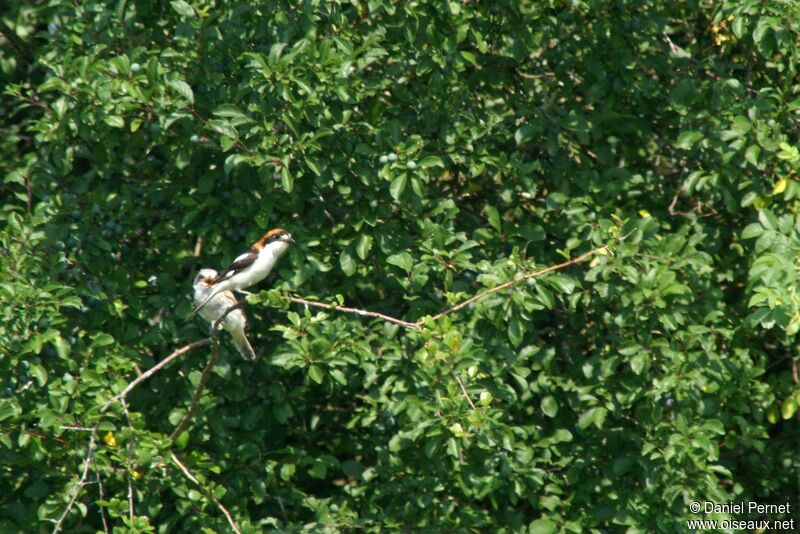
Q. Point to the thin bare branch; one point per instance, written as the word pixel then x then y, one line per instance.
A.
pixel 29 194
pixel 81 482
pixel 102 496
pixel 128 465
pixel 671 209
pixel 346 309
pixel 463 390
pixel 516 281
pixel 130 495
pixel 699 207
pixel 153 370
pixel 191 477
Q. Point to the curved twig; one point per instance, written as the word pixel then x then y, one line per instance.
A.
pixel 200 387
pixel 153 370
pixel 191 477
pixel 206 372
pixel 346 309
pixel 129 454
pixel 464 390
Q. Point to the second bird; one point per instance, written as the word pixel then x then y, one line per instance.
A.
pixel 235 322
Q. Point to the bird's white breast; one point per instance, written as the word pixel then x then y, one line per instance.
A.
pixel 217 306
pixel 261 267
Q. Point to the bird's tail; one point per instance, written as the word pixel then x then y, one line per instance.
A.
pixel 243 346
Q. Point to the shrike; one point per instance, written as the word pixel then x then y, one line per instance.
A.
pixel 251 267
pixel 234 323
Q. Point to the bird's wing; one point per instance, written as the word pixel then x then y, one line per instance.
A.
pixel 239 264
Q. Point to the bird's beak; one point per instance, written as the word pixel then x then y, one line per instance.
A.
pixel 289 239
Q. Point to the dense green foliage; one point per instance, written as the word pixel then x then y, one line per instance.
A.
pixel 419 152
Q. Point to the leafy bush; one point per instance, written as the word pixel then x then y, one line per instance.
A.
pixel 420 153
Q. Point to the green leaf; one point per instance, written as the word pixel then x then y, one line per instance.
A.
pixel 347 263
pixel 287 181
pixel 768 220
pixel 542 526
pixel 751 154
pixel 494 218
pixel 223 127
pixel 563 283
pixel 338 375
pixel 639 362
pixel 318 470
pixel 469 57
pixel 741 125
pixel 402 260
pixel 39 373
pixel 761 32
pixel 752 230
pixel 182 8
pixel 788 408
pixel 788 153
pixel 688 139
pixel 739 26
pixel 183 89
pixel 287 472
pixel 232 161
pixel 102 340
pixel 229 111
pixel 516 332
pixel 115 121
pixel 182 440
pixel 315 373
pixel 525 134
pixel 9 408
pixel 430 161
pixel 596 416
pixel 312 164
pixel 550 406
pixel 398 186
pixel 63 349
pixel 363 246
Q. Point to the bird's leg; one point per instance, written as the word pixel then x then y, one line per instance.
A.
pixel 243 292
